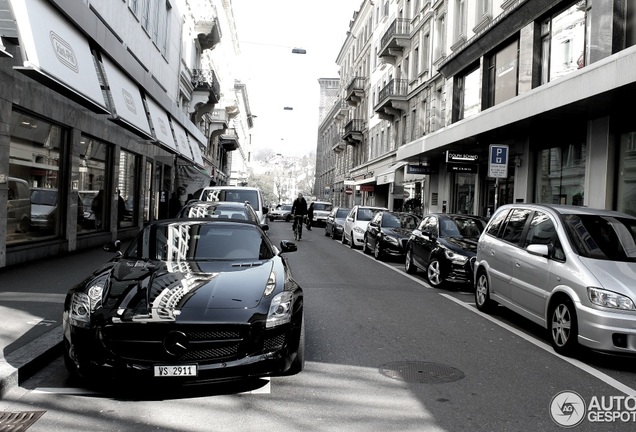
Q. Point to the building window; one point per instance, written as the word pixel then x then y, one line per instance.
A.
pixel 36 202
pixel 563 42
pixel 459 30
pixel 627 174
pixel 484 10
pixel 468 94
pixel 128 203
pixel 426 41
pixel 630 24
pixel 416 60
pixel 503 74
pixel 440 37
pixel 561 174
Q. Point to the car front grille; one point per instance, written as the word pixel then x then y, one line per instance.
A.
pixel 180 343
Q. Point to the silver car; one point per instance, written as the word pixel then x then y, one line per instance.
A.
pixel 570 269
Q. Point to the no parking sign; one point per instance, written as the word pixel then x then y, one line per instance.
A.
pixel 498 161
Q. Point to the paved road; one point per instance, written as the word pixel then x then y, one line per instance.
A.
pixel 385 351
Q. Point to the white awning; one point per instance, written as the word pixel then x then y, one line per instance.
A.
pixel 365 181
pixel 161 125
pixel 181 138
pixel 56 53
pixel 196 150
pixel 129 108
pixel 388 176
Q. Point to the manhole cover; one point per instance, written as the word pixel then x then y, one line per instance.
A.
pixel 18 421
pixel 421 372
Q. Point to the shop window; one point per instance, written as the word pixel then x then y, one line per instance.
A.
pixel 561 175
pixel 503 74
pixel 468 94
pixel 464 193
pixel 127 199
pixel 36 158
pixel 626 187
pixel 93 185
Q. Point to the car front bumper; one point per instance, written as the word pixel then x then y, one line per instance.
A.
pixel 598 329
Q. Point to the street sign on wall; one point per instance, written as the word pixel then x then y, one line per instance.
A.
pixel 498 161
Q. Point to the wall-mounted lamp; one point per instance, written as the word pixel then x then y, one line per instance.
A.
pixel 517 161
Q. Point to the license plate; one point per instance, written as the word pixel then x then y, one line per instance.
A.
pixel 174 371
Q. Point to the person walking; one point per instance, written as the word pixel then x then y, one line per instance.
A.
pixel 310 215
pixel 299 211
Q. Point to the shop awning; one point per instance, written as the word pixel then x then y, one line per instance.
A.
pixel 388 175
pixel 161 125
pixel 365 181
pixel 196 150
pixel 128 110
pixel 56 54
pixel 181 139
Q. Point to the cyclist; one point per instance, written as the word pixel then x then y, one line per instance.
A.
pixel 299 210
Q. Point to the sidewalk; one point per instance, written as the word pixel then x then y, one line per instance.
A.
pixel 31 305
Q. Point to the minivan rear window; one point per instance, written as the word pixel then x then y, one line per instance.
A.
pixel 233 196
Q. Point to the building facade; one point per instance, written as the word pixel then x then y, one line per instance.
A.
pixel 489 102
pixel 107 110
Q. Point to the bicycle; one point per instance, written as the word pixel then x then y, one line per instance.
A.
pixel 298 227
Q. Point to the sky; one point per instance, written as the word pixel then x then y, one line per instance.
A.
pixel 267 31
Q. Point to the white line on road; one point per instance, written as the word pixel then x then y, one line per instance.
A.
pixel 544 346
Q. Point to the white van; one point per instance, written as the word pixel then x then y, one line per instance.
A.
pixel 18 205
pixel 237 194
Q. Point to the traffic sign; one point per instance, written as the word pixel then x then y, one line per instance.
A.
pixel 498 161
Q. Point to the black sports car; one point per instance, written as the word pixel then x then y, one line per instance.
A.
pixel 444 246
pixel 189 300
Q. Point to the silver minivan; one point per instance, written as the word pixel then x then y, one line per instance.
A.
pixel 569 269
pixel 18 205
pixel 237 194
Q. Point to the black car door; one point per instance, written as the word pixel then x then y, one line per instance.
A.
pixel 373 229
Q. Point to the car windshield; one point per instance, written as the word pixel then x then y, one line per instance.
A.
pixel 342 212
pixel 365 214
pixel 195 241
pixel 285 208
pixel 459 226
pixel 602 237
pixel 241 196
pixel 323 207
pixel 44 197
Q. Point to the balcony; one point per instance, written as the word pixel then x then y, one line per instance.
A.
pixel 353 131
pixel 392 99
pixel 205 81
pixel 355 91
pixel 208 31
pixel 341 110
pixel 229 140
pixel 395 40
pixel 337 144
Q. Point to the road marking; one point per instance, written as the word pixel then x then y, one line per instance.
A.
pixel 32 297
pixel 548 348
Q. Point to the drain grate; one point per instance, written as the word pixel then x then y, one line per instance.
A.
pixel 18 421
pixel 421 372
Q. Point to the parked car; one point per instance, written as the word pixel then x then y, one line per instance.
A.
pixel 44 209
pixel 335 222
pixel 569 269
pixel 282 212
pixel 321 211
pixel 355 224
pixel 188 301
pixel 18 205
pixel 237 194
pixel 87 197
pixel 444 246
pixel 220 210
pixel 388 232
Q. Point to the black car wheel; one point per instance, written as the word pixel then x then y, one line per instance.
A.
pixel 352 244
pixel 482 293
pixel 299 362
pixel 377 251
pixel 365 246
pixel 326 232
pixel 409 266
pixel 434 273
pixel 343 239
pixel 563 326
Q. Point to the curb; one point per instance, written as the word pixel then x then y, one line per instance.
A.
pixel 24 362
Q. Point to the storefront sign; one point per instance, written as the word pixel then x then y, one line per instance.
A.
pixel 452 156
pixel 498 161
pixel 419 169
pixel 366 188
pixel 462 167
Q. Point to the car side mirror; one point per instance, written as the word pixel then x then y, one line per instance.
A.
pixel 539 249
pixel 112 246
pixel 264 227
pixel 265 210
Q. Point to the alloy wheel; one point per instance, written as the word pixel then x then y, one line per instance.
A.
pixel 434 273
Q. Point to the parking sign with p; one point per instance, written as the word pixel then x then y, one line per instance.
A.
pixel 498 161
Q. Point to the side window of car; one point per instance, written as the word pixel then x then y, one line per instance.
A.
pixel 496 222
pixel 515 225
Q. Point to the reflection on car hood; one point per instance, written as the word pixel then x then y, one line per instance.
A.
pixel 155 290
pixel 614 276
pixel 398 232
pixel 41 209
pixel 459 244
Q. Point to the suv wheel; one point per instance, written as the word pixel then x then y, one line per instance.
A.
pixel 434 273
pixel 563 326
pixel 482 293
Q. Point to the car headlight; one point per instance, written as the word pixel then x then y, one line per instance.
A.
pixel 455 258
pixel 279 310
pixel 358 230
pixel 609 299
pixel 85 303
pixel 271 284
pixel 391 239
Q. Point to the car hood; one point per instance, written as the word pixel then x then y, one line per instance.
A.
pixel 41 209
pixel 460 244
pixel 161 290
pixel 617 276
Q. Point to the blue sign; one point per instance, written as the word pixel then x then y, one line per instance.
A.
pixel 498 161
